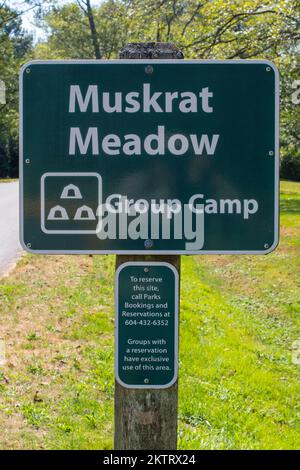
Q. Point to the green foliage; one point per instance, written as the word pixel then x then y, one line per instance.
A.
pixel 216 29
pixel 290 115
pixel 35 414
pixel 32 336
pixel 211 29
pixel 290 167
pixel 70 36
pixel 15 44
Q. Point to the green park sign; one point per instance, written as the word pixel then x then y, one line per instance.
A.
pixel 146 322
pixel 139 156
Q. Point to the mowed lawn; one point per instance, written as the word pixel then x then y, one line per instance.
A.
pixel 8 180
pixel 240 315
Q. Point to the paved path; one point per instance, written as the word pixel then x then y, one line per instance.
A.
pixel 10 248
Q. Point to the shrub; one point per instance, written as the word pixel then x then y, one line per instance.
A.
pixel 290 167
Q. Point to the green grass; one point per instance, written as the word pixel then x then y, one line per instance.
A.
pixel 8 180
pixel 238 387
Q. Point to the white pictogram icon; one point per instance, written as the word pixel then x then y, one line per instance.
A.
pixel 58 213
pixel 71 192
pixel 84 213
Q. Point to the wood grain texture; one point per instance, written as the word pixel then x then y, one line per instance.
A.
pixel 146 419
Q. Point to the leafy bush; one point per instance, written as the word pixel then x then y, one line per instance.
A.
pixel 290 167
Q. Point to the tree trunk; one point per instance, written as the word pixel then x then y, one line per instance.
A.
pixel 93 30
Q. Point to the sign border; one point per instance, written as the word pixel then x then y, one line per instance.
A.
pixel 151 62
pixel 176 321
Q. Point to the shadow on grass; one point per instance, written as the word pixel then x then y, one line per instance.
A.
pixel 290 205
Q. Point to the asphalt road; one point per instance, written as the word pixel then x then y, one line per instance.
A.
pixel 10 248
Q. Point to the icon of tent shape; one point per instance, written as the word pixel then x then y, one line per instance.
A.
pixel 71 192
pixel 84 213
pixel 58 213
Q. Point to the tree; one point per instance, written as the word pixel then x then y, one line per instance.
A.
pixel 14 45
pixel 70 33
pixel 219 28
pixel 85 5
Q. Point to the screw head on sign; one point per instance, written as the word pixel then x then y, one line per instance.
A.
pixel 266 245
pixel 28 245
pixel 146 270
pixel 27 160
pixel 146 381
pixel 271 153
pixel 28 70
pixel 149 69
pixel 148 243
pixel 268 69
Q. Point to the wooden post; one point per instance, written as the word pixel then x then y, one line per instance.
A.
pixel 147 418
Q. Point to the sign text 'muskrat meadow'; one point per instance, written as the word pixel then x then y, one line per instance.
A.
pixel 146 102
pixel 178 157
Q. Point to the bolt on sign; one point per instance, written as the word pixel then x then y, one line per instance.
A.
pixel 146 322
pixel 157 156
